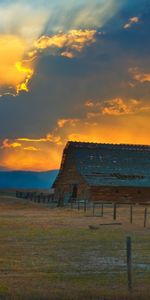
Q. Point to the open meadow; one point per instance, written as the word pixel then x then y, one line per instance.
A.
pixel 63 253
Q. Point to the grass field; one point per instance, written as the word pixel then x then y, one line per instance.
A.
pixel 50 253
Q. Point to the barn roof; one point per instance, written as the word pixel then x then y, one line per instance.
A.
pixel 110 164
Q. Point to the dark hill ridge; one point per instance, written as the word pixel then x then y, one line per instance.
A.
pixel 27 179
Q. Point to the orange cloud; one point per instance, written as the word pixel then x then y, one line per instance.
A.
pixel 109 129
pixel 32 140
pixel 31 148
pixel 89 103
pixel 139 75
pixel 17 58
pixel 68 54
pixel 7 144
pixel 50 138
pixel 113 121
pixel 28 73
pixel 38 156
pixel 118 107
pixel 31 160
pixel 114 107
pixel 132 20
pixel 13 74
pixel 73 41
pixel 62 122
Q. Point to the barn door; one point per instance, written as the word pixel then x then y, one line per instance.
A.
pixel 74 191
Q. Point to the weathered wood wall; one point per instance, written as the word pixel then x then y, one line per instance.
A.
pixel 66 180
pixel 123 194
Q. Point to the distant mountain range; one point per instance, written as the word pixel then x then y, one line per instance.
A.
pixel 27 179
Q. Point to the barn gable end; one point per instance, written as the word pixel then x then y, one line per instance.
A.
pixel 69 184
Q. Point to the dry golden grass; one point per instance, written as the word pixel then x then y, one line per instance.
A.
pixel 52 254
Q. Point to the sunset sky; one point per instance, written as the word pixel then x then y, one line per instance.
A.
pixel 71 70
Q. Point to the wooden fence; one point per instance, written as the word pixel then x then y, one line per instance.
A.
pixel 96 208
pixel 35 196
pixel 100 208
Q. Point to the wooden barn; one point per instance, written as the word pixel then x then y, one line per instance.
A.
pixel 104 172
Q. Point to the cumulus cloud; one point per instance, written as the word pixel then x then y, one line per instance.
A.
pixel 139 76
pixel 118 107
pixel 113 121
pixel 69 43
pixel 114 107
pixel 17 66
pixel 133 20
pixel 30 27
pixel 6 144
pixel 71 122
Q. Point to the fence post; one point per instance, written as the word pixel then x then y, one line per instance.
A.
pixel 115 211
pixel 71 203
pixel 145 217
pixel 93 209
pixel 78 204
pixel 129 262
pixel 84 205
pixel 131 214
pixel 102 210
pixel 34 197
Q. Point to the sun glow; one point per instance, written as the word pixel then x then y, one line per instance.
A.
pixel 14 75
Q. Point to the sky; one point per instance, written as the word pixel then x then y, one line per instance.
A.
pixel 74 70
